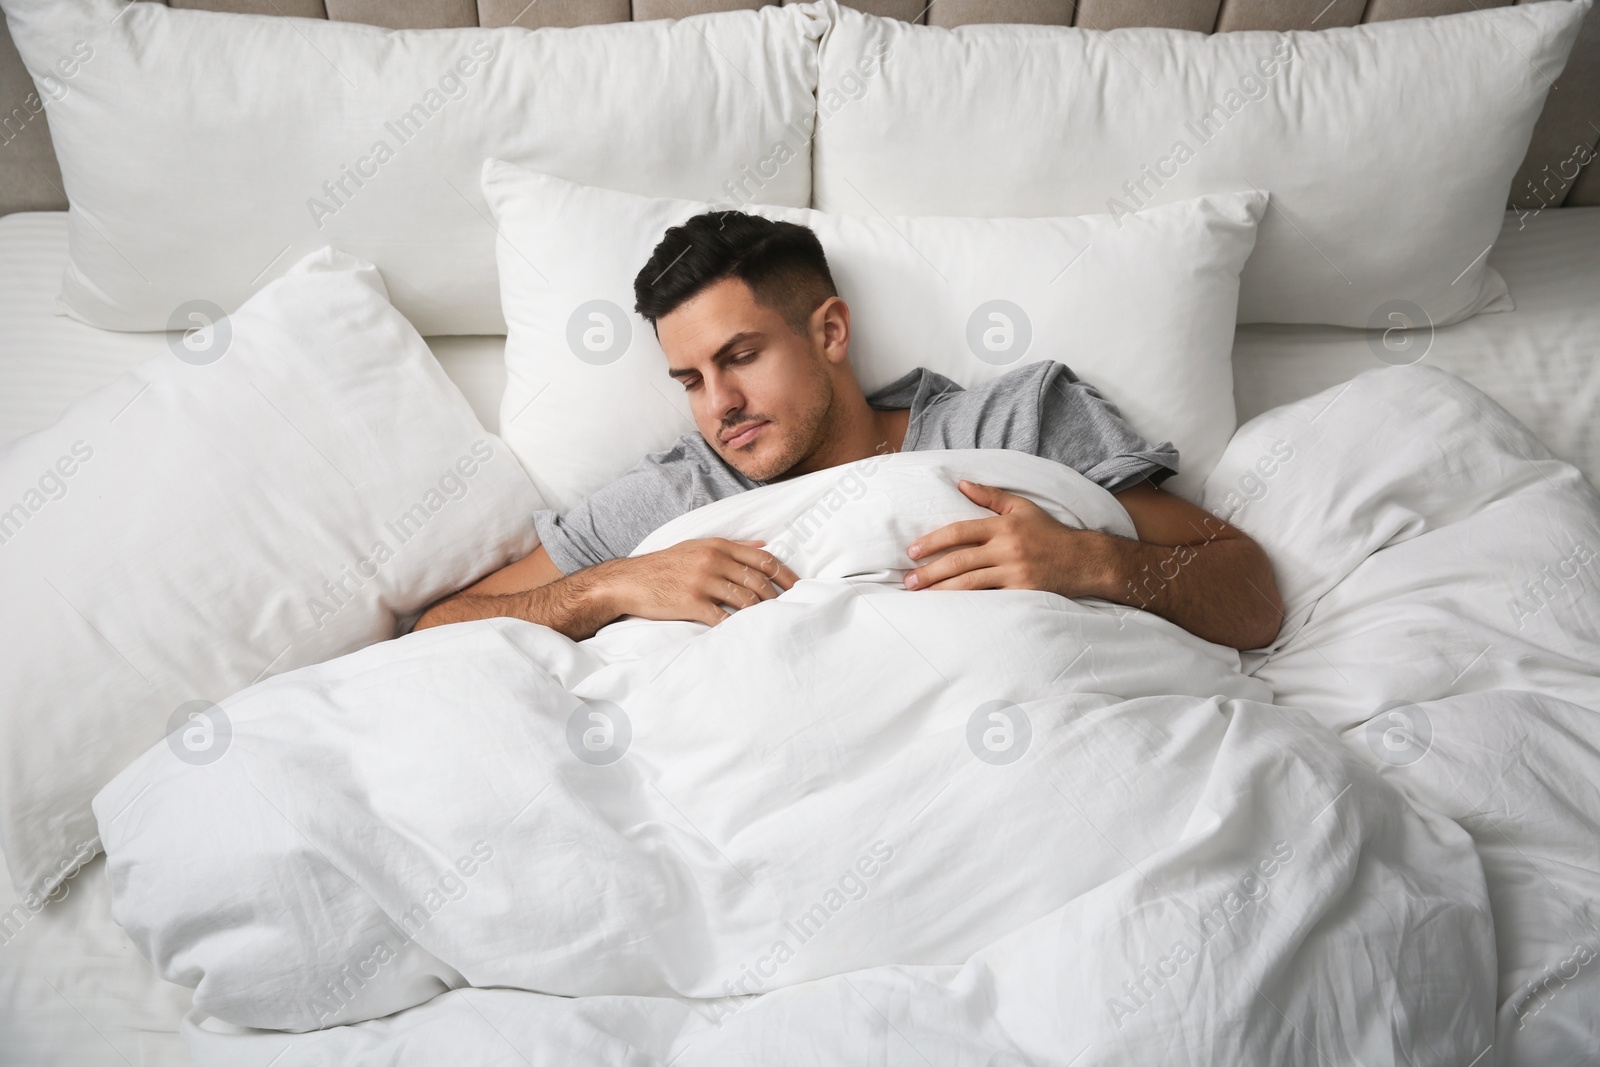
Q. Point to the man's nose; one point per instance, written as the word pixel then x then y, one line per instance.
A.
pixel 726 400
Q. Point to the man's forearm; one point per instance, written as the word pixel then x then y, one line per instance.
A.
pixel 576 605
pixel 1221 590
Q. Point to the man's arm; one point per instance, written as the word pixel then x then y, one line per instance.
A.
pixel 1192 568
pixel 1187 566
pixel 689 581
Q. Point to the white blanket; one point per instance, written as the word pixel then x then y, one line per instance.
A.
pixel 851 824
pixel 1442 572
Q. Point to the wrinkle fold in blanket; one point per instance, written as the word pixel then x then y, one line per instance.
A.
pixel 997 826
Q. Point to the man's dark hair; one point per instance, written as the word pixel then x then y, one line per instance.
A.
pixel 781 262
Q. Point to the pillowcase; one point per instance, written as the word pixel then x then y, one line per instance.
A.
pixel 1388 148
pixel 1142 308
pixel 205 152
pixel 278 490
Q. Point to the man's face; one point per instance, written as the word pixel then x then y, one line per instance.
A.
pixel 761 393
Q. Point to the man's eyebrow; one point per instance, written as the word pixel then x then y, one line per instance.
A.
pixel 720 354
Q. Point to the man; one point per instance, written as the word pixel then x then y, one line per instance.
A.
pixel 754 330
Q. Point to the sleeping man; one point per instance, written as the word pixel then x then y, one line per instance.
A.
pixel 753 329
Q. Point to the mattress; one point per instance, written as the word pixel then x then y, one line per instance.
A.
pixel 74 990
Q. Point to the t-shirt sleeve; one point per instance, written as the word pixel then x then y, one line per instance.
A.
pixel 610 523
pixel 1083 430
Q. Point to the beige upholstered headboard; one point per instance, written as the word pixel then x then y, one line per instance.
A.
pixel 30 178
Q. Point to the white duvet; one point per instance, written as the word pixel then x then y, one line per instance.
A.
pixel 857 824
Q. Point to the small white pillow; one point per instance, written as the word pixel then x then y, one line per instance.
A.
pixel 279 490
pixel 1142 309
pixel 204 152
pixel 1388 148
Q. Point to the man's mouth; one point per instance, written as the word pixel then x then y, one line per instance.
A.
pixel 743 436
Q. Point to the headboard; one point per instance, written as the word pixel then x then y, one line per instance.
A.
pixel 30 177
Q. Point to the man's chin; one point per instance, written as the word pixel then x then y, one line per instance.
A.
pixel 758 467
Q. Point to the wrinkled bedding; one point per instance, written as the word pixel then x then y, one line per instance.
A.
pixel 860 824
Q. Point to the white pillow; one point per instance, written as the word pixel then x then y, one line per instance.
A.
pixel 1143 310
pixel 300 476
pixel 195 145
pixel 1388 148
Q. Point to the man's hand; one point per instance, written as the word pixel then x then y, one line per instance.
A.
pixel 687 582
pixel 1187 566
pixel 692 580
pixel 1021 547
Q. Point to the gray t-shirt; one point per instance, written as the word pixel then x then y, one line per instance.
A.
pixel 1041 408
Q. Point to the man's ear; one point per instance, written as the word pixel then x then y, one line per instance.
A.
pixel 830 329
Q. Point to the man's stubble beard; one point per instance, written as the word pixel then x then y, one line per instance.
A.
pixel 811 428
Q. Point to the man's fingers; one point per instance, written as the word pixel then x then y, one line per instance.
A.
pixel 709 612
pixel 982 578
pixel 705 577
pixel 750 579
pixel 966 532
pixel 726 588
pixel 977 492
pixel 769 566
pixel 948 566
pixel 987 496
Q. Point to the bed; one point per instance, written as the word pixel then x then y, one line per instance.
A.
pixel 77 991
pixel 1469 914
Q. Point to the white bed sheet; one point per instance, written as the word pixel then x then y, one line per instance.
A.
pixel 74 991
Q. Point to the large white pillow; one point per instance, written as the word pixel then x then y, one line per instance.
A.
pixel 1388 148
pixel 1142 308
pixel 278 490
pixel 195 145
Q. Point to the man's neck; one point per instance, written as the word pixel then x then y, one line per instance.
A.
pixel 873 432
pixel 878 432
pixel 892 427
